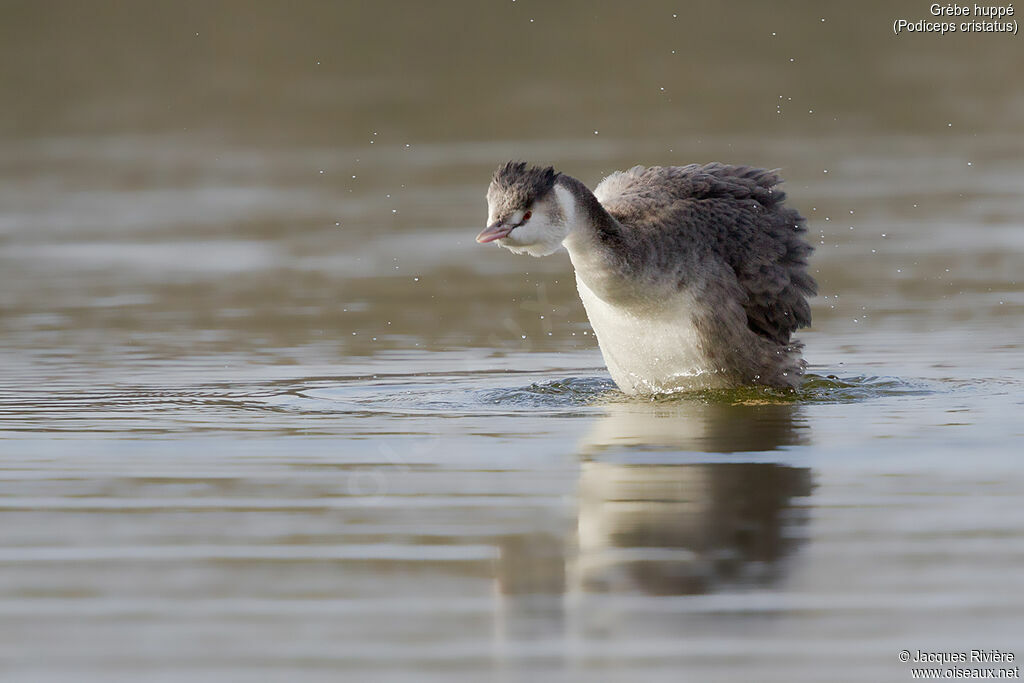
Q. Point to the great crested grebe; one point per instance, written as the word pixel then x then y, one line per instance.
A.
pixel 692 276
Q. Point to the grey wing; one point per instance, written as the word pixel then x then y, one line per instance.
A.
pixel 777 286
pixel 734 213
pixel 768 253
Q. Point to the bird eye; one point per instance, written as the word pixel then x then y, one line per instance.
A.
pixel 526 216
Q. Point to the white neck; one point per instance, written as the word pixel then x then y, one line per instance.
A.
pixel 571 214
pixel 590 258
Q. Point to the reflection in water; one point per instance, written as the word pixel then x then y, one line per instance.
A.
pixel 712 427
pixel 669 529
pixel 682 529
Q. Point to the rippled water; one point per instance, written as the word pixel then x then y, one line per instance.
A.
pixel 269 413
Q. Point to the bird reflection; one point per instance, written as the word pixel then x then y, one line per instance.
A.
pixel 692 425
pixel 682 529
pixel 658 514
pixel 673 529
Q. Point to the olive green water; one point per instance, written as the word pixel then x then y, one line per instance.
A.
pixel 269 413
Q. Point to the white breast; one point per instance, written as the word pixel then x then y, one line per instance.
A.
pixel 650 348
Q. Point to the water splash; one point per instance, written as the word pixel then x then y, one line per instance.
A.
pixel 571 391
pixel 463 394
pixel 815 389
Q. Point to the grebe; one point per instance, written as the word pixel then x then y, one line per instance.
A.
pixel 692 277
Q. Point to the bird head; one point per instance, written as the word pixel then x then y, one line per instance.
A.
pixel 524 212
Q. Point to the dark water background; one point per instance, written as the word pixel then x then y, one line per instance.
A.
pixel 269 413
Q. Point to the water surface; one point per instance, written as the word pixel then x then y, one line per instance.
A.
pixel 268 412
